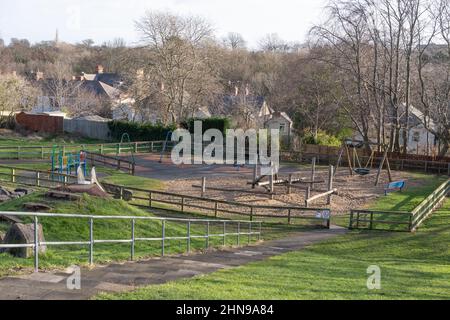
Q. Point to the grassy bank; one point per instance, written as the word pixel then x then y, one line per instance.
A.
pixel 65 229
pixel 413 266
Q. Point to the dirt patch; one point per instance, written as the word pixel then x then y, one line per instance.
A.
pixel 354 191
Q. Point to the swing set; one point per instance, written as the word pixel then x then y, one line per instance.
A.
pixel 350 149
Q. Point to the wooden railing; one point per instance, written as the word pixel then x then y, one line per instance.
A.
pixel 173 201
pixel 400 220
pixel 429 205
pixel 110 161
pixel 439 167
pixel 45 151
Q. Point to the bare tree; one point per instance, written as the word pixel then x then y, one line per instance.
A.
pixel 234 41
pixel 273 43
pixel 177 63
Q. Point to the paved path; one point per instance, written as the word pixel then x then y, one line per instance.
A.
pixel 147 165
pixel 130 275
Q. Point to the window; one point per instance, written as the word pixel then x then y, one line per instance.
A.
pixel 282 128
pixel 416 136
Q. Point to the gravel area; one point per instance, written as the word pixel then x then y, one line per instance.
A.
pixel 353 191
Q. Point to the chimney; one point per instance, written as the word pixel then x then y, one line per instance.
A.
pixel 99 69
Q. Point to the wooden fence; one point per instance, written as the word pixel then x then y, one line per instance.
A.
pixel 400 220
pixel 432 167
pixel 114 162
pixel 45 151
pixel 172 201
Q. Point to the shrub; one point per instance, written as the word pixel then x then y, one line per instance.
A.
pixel 323 139
pixel 221 124
pixel 139 131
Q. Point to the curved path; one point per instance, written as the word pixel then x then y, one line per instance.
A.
pixel 131 275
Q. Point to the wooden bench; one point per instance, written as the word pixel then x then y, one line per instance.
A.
pixel 394 186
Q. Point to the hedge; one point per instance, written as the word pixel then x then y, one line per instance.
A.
pixel 221 124
pixel 139 131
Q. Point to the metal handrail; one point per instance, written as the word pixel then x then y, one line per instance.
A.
pixel 92 241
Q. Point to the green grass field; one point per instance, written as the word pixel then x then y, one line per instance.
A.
pixel 413 266
pixel 66 229
pixel 50 140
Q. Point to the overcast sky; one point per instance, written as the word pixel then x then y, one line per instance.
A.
pixel 103 20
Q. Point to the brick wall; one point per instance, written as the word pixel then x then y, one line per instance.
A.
pixel 40 123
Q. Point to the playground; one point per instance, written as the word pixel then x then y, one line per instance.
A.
pixel 145 207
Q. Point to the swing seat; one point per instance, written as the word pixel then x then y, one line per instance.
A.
pixel 362 171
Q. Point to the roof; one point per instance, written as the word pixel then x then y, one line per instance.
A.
pixel 111 79
pixel 283 115
pixel 229 102
pixel 265 110
pixel 100 88
pixel 93 118
pixel 419 115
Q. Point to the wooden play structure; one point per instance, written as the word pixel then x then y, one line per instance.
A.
pixel 269 179
pixel 350 149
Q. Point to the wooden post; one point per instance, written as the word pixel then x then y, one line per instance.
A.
pixel 371 221
pixel 42 152
pixel 377 181
pixel 150 199
pixel 38 179
pixel 351 220
pixel 13 175
pixel 313 172
pixel 182 204
pixel 388 166
pixel 255 173
pixel 289 216
pixel 203 186
pixel 330 183
pixel 349 159
pixel 289 189
pixel 271 183
pixel 307 196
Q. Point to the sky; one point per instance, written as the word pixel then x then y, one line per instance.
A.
pixel 103 20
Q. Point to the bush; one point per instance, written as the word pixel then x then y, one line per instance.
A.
pixel 221 124
pixel 140 131
pixel 323 139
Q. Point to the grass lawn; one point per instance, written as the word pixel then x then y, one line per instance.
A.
pixel 17 140
pixel 413 266
pixel 65 229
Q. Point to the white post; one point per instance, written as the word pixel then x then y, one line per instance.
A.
pixel 330 183
pixel 203 186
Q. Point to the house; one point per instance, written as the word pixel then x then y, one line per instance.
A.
pixel 280 121
pixel 421 140
pixel 105 86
